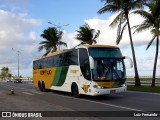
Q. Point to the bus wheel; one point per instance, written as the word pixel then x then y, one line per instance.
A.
pixel 75 91
pixel 43 87
pixel 39 86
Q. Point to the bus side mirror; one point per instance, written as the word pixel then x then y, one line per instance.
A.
pixel 130 60
pixel 91 61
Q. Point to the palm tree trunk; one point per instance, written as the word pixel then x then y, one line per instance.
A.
pixel 155 63
pixel 137 80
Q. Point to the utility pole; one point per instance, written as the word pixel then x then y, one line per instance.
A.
pixel 18 53
pixel 18 62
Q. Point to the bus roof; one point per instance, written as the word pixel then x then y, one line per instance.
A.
pixel 52 54
pixel 95 46
pixel 81 46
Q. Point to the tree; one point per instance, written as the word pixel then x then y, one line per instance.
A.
pixel 123 7
pixel 87 35
pixel 52 39
pixel 151 22
pixel 4 72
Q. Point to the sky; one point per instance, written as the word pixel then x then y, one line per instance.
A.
pixel 23 21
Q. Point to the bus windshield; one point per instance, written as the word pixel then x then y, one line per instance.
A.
pixel 108 64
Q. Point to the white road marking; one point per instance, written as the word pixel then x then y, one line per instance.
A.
pixel 37 92
pixel 112 105
pixel 117 106
pixel 27 93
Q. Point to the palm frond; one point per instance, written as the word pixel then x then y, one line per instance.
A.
pixel 53 49
pixel 107 1
pixel 144 14
pixel 62 43
pixel 86 34
pixel 47 52
pixel 108 8
pixel 40 48
pixel 141 27
pixel 117 19
pixel 52 36
pixel 137 4
pixel 150 42
pixel 94 41
pixel 97 35
pixel 43 42
pixel 59 35
pixel 119 36
pixel 155 32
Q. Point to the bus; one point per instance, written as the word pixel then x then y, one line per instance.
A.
pixel 86 69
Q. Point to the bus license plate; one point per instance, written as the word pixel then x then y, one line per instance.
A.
pixel 113 91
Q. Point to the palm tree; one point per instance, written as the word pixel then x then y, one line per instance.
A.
pixel 151 22
pixel 123 7
pixel 4 72
pixel 52 39
pixel 87 35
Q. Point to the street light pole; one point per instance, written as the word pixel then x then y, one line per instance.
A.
pixel 18 52
pixel 18 62
pixel 59 27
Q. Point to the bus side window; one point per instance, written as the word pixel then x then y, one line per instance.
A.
pixel 34 65
pixel 56 61
pixel 84 63
pixel 73 57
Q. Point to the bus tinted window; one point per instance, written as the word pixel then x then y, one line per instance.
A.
pixel 84 63
pixel 63 59
pixel 105 53
pixel 69 58
pixel 73 57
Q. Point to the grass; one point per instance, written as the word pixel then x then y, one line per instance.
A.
pixel 144 89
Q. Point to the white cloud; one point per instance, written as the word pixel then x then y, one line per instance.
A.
pixel 140 40
pixel 108 36
pixel 22 15
pixel 69 38
pixel 13 5
pixel 32 36
pixel 17 31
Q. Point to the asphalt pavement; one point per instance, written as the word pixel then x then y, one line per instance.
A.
pixel 28 98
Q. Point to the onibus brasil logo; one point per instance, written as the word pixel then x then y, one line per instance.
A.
pixel 21 114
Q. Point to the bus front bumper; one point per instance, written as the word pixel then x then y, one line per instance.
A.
pixel 97 91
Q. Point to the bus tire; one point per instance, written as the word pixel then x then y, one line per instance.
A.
pixel 43 87
pixel 39 86
pixel 75 91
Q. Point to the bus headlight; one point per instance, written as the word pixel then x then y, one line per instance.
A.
pixel 123 85
pixel 97 86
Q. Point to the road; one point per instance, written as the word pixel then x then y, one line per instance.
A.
pixel 27 98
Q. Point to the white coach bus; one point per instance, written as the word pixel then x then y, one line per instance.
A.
pixel 87 69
